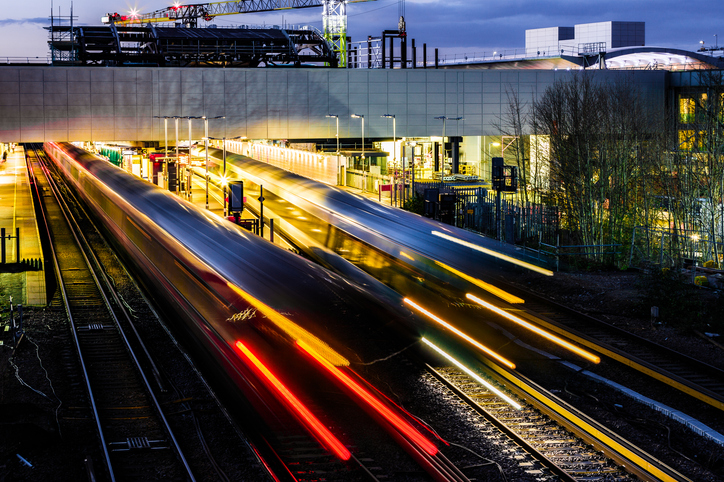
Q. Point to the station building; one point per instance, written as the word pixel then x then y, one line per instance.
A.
pixel 293 116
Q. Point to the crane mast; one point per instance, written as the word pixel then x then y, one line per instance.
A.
pixel 334 21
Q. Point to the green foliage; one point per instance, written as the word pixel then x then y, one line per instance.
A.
pixel 711 264
pixel 680 303
pixel 416 204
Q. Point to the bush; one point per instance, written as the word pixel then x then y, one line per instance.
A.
pixel 415 204
pixel 678 301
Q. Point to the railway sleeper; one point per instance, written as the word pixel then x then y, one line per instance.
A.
pixel 138 443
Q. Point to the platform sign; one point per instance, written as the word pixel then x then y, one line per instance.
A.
pixel 236 196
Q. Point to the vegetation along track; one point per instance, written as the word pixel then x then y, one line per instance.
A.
pixel 137 442
pixel 690 376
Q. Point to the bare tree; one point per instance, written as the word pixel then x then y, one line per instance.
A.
pixel 599 133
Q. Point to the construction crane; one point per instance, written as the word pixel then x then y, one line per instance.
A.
pixel 334 16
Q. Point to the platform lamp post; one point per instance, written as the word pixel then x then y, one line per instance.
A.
pixel 496 144
pixel 336 118
pixel 206 150
pixel 364 173
pixel 224 181
pixel 165 131
pixel 445 118
pixel 394 151
pixel 189 156
pixel 176 118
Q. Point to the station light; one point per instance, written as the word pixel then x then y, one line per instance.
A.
pixel 462 335
pixel 558 341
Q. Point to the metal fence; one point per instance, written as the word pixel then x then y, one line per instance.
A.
pixel 476 208
pixel 664 247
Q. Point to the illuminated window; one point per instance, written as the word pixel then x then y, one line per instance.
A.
pixel 702 144
pixel 686 110
pixel 686 140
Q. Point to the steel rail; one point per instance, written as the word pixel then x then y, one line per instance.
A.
pixel 81 241
pixel 601 337
pixel 635 459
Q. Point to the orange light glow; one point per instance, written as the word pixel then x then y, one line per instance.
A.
pixel 400 424
pixel 473 375
pixel 293 330
pixel 559 341
pixel 462 335
pixel 503 295
pixel 313 424
pixel 490 252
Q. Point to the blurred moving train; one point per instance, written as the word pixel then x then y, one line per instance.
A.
pixel 256 309
pixel 390 244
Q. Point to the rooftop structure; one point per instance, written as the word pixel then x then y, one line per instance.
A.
pixel 188 47
pixel 585 38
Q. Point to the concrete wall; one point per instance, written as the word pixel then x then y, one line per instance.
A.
pixel 119 104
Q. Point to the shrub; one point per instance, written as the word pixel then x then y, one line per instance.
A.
pixel 678 301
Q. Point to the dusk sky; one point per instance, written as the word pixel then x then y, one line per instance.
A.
pixel 454 26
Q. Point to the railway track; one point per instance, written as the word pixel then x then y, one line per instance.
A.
pixel 688 375
pixel 299 453
pixel 136 439
pixel 553 440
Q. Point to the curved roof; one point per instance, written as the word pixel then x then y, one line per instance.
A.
pixel 642 57
pixel 661 58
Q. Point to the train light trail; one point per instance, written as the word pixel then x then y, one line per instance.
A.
pixel 559 341
pixel 462 335
pixel 294 331
pixel 472 374
pixel 490 252
pixel 402 253
pixel 398 422
pixel 325 437
pixel 494 290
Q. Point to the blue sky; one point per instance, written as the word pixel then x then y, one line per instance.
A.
pixel 454 26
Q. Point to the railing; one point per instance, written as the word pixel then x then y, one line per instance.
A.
pixel 26 60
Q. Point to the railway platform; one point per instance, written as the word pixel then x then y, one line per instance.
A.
pixel 22 273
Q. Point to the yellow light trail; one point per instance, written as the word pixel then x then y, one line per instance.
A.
pixel 473 375
pixel 402 253
pixel 462 335
pixel 490 252
pixel 494 290
pixel 559 341
pixel 294 331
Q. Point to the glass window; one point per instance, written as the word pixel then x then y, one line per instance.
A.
pixel 686 140
pixel 686 110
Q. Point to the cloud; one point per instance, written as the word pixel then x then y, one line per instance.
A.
pixel 37 20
